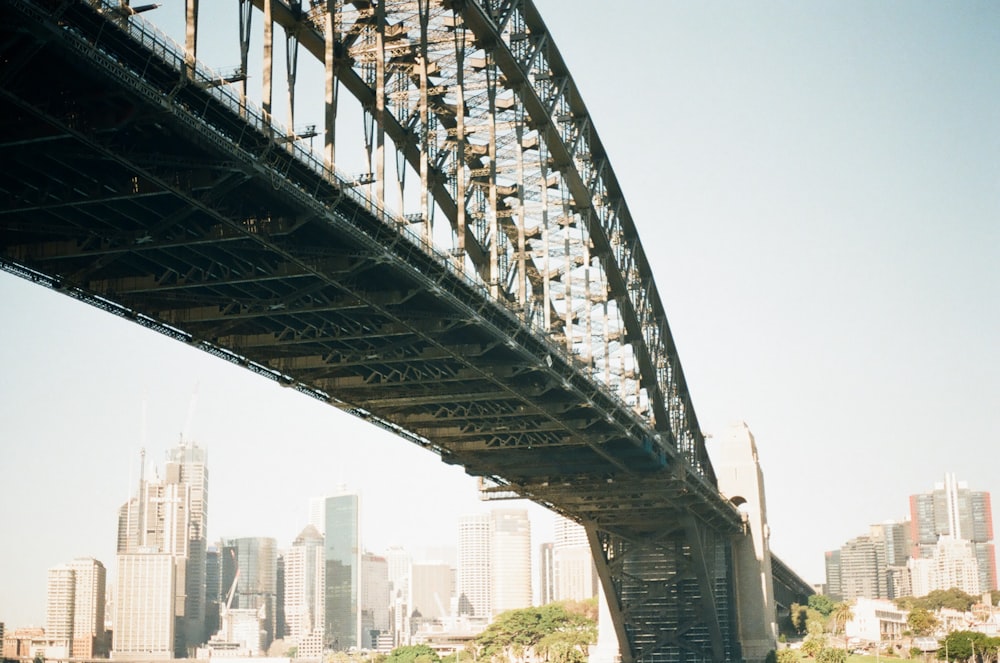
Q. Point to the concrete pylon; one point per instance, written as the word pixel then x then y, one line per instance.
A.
pixel 734 458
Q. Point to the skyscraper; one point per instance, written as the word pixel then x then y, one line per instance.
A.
pixel 374 600
pixel 400 596
pixel 955 510
pixel 342 556
pixel 304 598
pixel 573 563
pixel 432 584
pixel 187 465
pixel 59 607
pixel 511 566
pixel 253 563
pixel 156 523
pixel 145 601
pixel 475 566
pixel 546 574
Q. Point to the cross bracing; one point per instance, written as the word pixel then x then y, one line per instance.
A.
pixel 529 346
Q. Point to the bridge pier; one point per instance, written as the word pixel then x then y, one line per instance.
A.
pixel 740 479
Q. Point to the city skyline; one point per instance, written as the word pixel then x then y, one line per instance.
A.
pixel 819 198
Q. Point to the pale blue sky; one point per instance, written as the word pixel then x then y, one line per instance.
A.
pixel 817 186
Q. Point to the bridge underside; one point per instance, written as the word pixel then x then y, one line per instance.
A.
pixel 138 190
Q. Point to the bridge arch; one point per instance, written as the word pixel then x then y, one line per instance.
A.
pixel 476 99
pixel 213 226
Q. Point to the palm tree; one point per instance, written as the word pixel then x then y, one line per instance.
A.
pixel 839 616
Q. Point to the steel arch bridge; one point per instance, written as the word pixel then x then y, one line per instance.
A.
pixel 502 314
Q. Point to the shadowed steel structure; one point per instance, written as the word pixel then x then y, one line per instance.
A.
pixel 499 311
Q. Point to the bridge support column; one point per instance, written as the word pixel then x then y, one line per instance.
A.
pixel 734 457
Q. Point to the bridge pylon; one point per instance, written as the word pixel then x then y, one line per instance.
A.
pixel 740 479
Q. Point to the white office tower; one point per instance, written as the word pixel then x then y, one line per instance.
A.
pixel 475 535
pixel 575 575
pixel 145 601
pixel 304 600
pixel 511 567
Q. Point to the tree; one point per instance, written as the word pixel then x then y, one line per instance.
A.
pixel 822 604
pixel 921 621
pixel 798 616
pixel 957 645
pixel 413 654
pixel 831 655
pixel 839 616
pixel 787 656
pixel 553 630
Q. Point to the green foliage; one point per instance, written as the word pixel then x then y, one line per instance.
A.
pixel 787 656
pixel 953 598
pixel 813 645
pixel 958 645
pixel 771 657
pixel 921 621
pixel 460 656
pixel 822 604
pixel 839 616
pixel 413 654
pixel 798 617
pixel 555 632
pixel 831 655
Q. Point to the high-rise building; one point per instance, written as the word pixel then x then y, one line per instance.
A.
pixel 832 562
pixel 60 598
pixel 374 599
pixel 573 563
pixel 871 566
pixel 155 522
pixel 511 566
pixel 475 566
pixel 304 598
pixel 894 539
pixel 342 556
pixel 952 565
pixel 400 599
pixel 863 569
pixel 213 589
pixel 546 574
pixel 252 562
pixel 952 509
pixel 90 596
pixel 187 464
pixel 433 586
pixel 145 600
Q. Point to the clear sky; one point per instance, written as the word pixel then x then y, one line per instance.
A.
pixel 817 186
